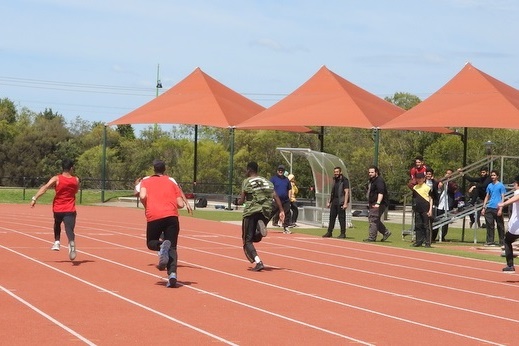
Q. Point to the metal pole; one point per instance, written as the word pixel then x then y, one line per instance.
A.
pixel 463 184
pixel 103 167
pixel 159 84
pixel 231 164
pixel 376 139
pixel 321 139
pixel 195 164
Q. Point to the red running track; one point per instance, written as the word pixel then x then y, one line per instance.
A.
pixel 314 291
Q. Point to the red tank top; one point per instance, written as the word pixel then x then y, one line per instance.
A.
pixel 65 198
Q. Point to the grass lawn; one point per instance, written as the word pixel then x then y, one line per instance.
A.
pixel 20 195
pixel 359 232
pixel 454 245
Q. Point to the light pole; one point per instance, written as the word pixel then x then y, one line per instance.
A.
pixel 159 84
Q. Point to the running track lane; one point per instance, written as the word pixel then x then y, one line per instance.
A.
pixel 319 291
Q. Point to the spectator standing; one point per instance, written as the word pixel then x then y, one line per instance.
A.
pixel 161 197
pixel 282 187
pixel 419 167
pixel 433 183
pixel 378 200
pixel 294 210
pixel 446 202
pixel 258 193
pixel 492 212
pixel 338 203
pixel 479 192
pixel 66 185
pixel 513 227
pixel 423 203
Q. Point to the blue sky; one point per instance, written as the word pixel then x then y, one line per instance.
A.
pixel 98 59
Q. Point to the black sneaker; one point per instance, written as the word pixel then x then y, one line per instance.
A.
pixel 509 269
pixel 342 236
pixel 172 280
pixel 369 240
pixel 416 245
pixel 259 267
pixel 386 235
pixel 327 235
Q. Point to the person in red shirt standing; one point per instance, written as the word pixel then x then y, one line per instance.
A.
pixel 419 167
pixel 161 197
pixel 64 205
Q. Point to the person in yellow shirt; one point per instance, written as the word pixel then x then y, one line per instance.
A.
pixel 293 205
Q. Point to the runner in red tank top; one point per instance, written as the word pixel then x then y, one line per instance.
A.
pixel 64 205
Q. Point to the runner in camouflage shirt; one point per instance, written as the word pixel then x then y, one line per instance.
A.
pixel 257 193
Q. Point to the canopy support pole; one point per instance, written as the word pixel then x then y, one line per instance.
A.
pixel 376 139
pixel 231 164
pixel 103 167
pixel 195 163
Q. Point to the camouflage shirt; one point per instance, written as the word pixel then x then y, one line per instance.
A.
pixel 258 196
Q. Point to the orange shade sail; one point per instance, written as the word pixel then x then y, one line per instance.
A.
pixel 199 100
pixel 327 99
pixel 472 98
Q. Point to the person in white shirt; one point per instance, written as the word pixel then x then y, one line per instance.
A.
pixel 512 233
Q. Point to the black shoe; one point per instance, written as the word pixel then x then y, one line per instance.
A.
pixel 428 246
pixel 327 235
pixel 342 236
pixel 386 235
pixel 416 245
pixel 259 267
pixel 508 269
pixel 369 240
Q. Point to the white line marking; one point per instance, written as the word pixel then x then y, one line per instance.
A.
pixel 124 298
pixel 50 318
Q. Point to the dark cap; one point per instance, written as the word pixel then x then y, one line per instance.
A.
pixel 159 166
pixel 281 167
pixel 419 175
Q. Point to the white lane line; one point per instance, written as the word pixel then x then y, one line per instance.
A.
pixel 312 295
pixel 187 286
pixel 190 326
pixel 50 318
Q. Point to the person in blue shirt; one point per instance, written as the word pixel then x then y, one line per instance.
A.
pixel 282 187
pixel 492 212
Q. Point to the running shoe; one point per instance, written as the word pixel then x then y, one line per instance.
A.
pixel 259 267
pixel 286 231
pixel 262 228
pixel 509 269
pixel 164 255
pixel 72 250
pixel 55 247
pixel 172 280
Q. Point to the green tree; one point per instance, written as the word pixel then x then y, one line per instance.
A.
pixel 7 111
pixel 404 100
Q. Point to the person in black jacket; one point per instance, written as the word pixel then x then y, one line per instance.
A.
pixel 338 203
pixel 479 191
pixel 377 204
